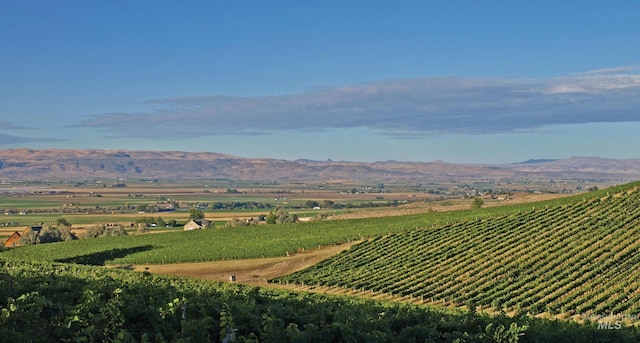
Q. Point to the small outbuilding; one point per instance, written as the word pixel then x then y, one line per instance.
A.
pixel 12 240
pixel 196 224
pixel 31 231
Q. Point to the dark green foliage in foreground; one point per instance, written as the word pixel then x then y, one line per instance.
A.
pixel 44 302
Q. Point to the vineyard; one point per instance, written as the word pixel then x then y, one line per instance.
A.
pixel 577 260
pixel 54 302
pixel 253 241
pixel 572 257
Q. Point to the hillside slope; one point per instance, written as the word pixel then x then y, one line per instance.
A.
pixel 579 260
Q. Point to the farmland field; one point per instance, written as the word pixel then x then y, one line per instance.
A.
pixel 87 204
pixel 256 241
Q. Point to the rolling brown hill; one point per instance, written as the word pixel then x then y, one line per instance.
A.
pixel 57 164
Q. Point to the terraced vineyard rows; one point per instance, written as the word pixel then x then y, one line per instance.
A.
pixel 581 258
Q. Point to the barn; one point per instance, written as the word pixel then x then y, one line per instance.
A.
pixel 12 240
pixel 196 224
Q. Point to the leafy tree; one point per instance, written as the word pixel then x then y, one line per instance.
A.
pixel 145 220
pixel 236 222
pixel 104 231
pixel 196 214
pixel 50 234
pixel 327 204
pixel 283 216
pixel 271 218
pixel 93 232
pixel 477 202
pixel 143 228
pixel 29 237
pixel 115 231
pixel 62 222
pixel 66 234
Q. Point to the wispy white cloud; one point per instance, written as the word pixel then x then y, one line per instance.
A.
pixel 597 82
pixel 7 125
pixel 402 108
pixel 11 139
pixel 6 139
pixel 616 70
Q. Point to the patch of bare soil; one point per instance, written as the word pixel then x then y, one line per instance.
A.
pixel 248 271
pixel 258 271
pixel 454 205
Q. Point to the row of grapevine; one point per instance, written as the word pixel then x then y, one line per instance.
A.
pixel 580 258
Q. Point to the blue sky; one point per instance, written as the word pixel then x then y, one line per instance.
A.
pixel 459 81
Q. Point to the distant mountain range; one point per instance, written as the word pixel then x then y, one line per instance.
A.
pixel 56 164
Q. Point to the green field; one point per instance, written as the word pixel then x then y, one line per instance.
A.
pixel 23 204
pixel 255 241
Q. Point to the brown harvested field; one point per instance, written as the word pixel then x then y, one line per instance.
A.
pixel 247 271
pixel 455 205
pixel 6 232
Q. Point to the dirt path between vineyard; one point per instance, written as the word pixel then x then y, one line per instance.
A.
pixel 256 272
pixel 248 271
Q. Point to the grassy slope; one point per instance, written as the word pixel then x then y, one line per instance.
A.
pixel 254 241
pixel 577 259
